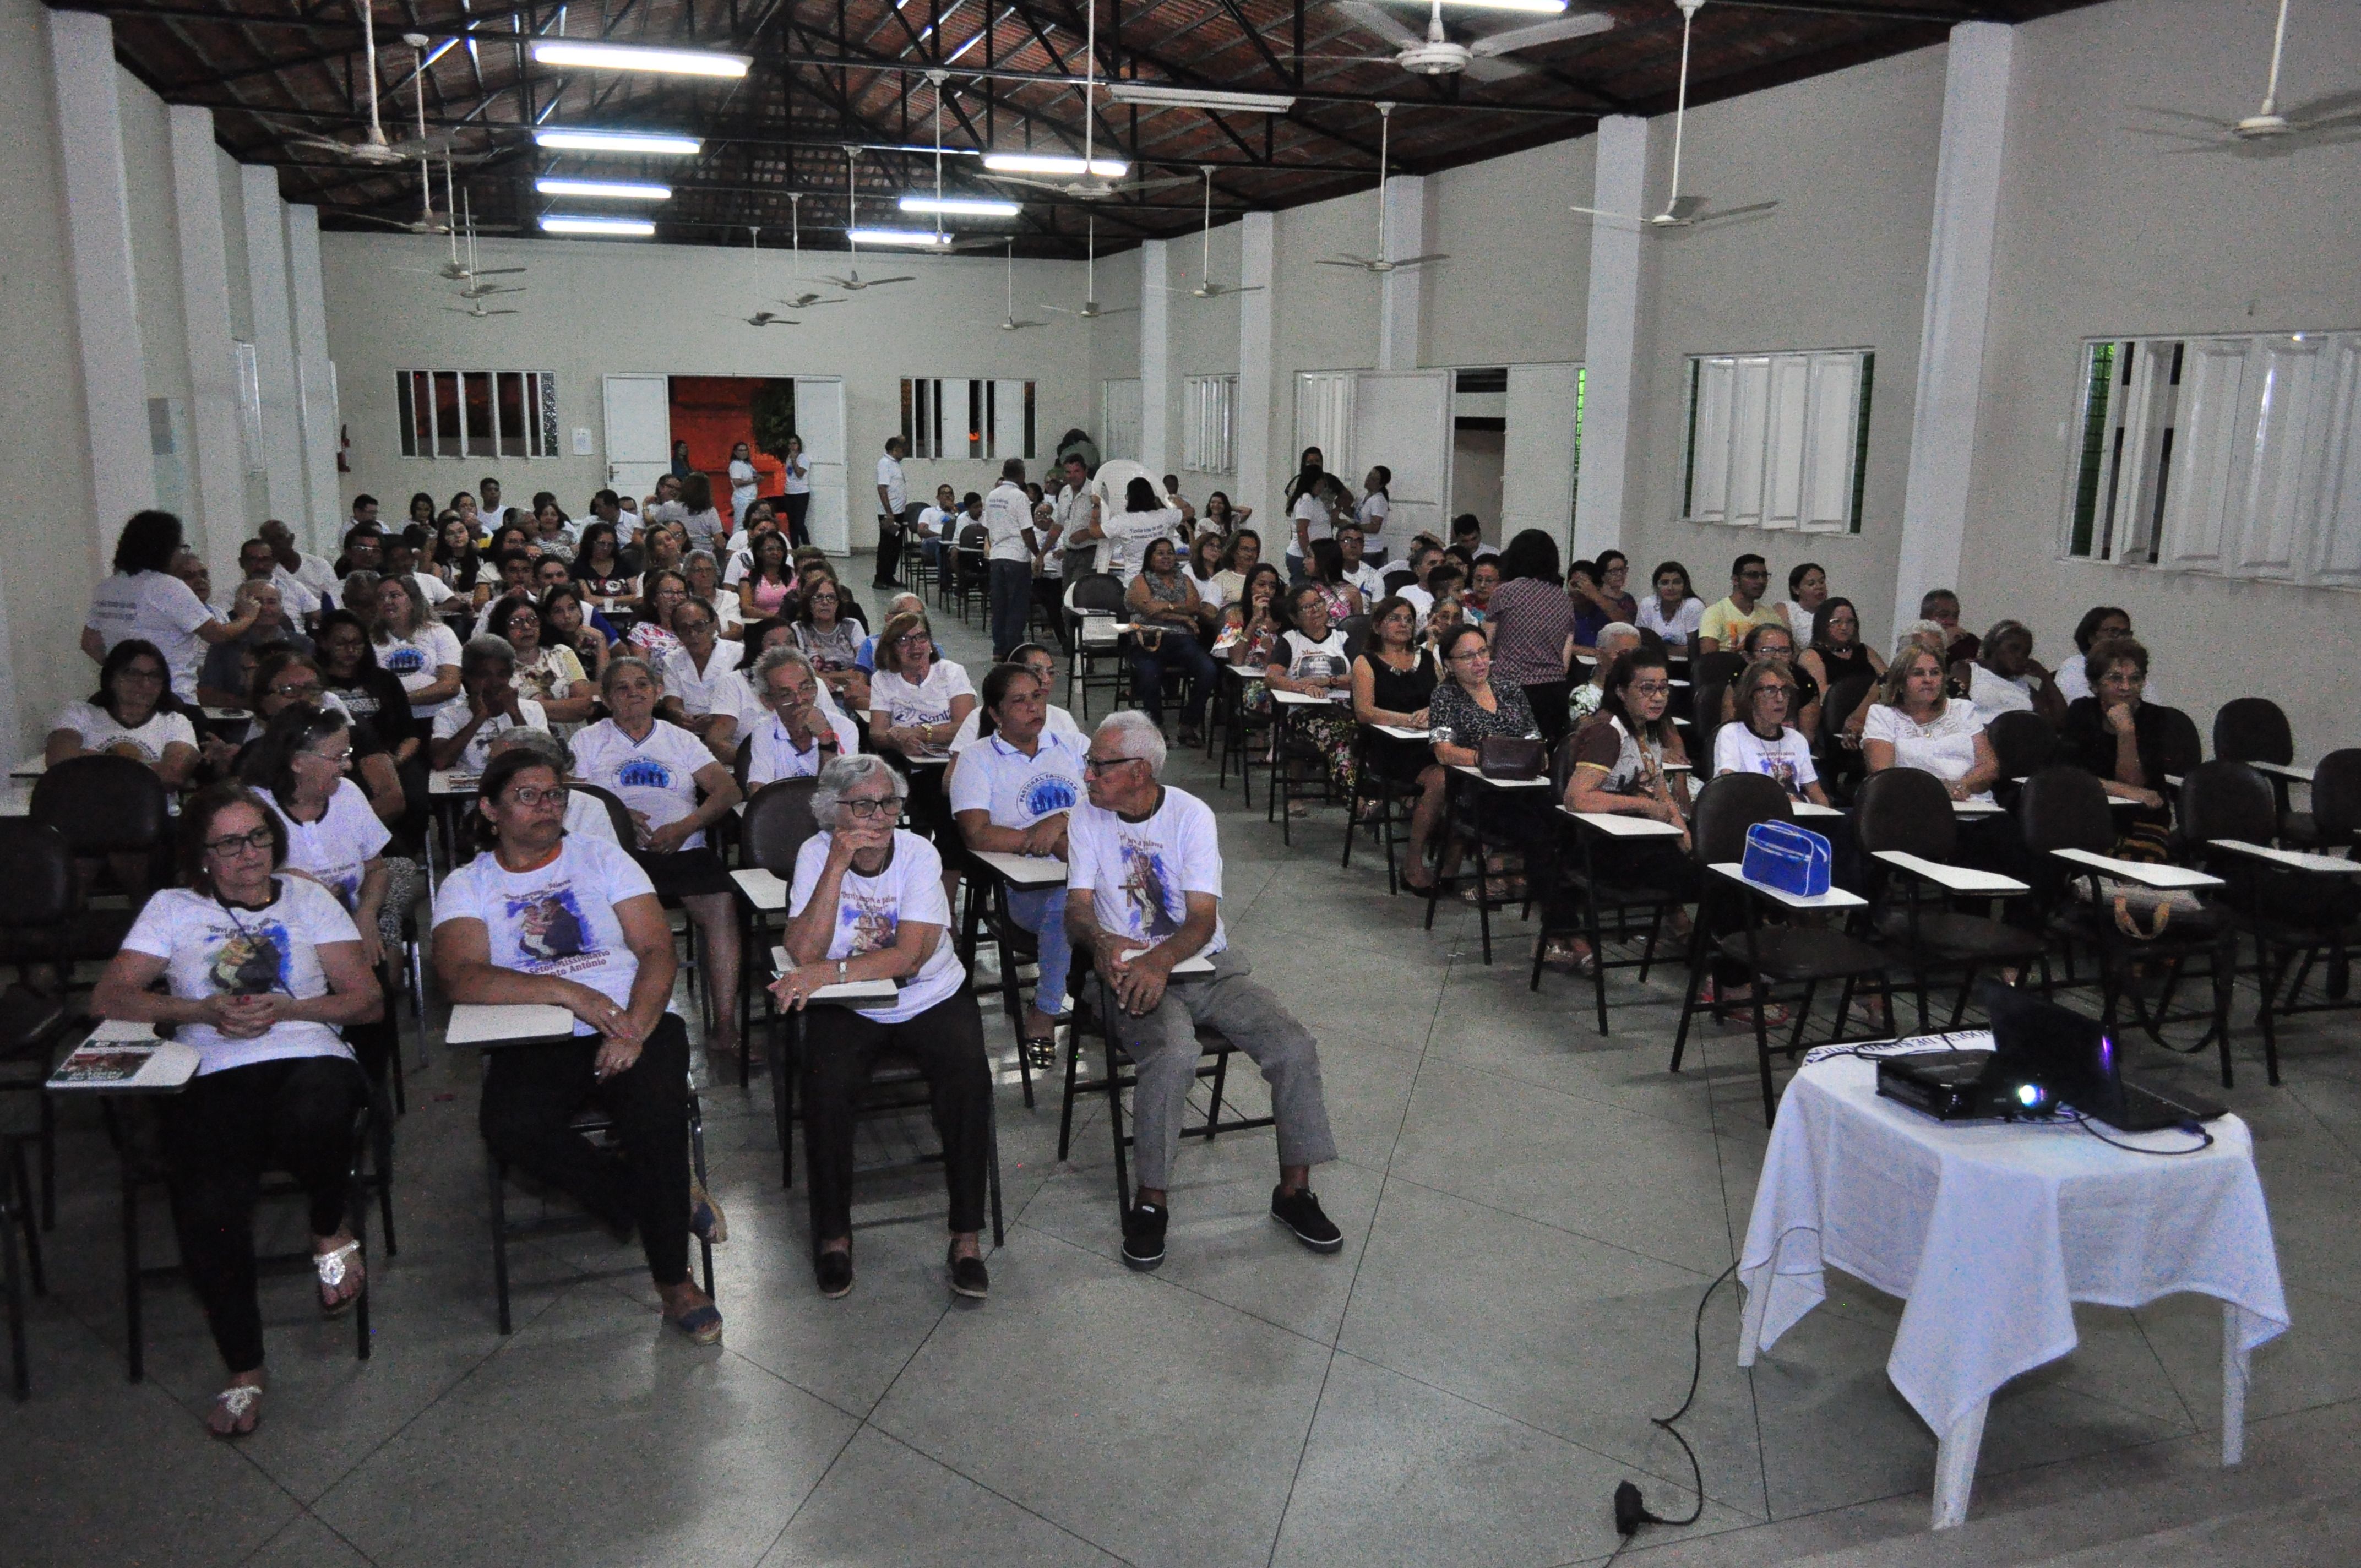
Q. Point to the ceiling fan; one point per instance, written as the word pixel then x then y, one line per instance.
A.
pixel 1008 286
pixel 852 282
pixel 1681 212
pixel 1091 310
pixel 477 291
pixel 796 240
pixel 373 146
pixel 767 318
pixel 2270 129
pixel 1206 288
pixel 1436 53
pixel 1379 263
pixel 478 310
pixel 1090 187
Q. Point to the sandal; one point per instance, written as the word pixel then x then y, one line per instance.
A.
pixel 707 1223
pixel 234 1413
pixel 1040 1052
pixel 333 1267
pixel 1570 958
pixel 701 1324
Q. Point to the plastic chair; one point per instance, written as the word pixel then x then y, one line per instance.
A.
pixel 1908 811
pixel 38 925
pixel 1094 665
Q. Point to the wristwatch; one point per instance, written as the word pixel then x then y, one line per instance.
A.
pixel 840 970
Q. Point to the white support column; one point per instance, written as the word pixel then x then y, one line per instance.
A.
pixel 1401 293
pixel 316 379
pixel 1257 234
pixel 105 293
pixel 274 345
pixel 219 469
pixel 1611 339
pixel 1959 296
pixel 1155 357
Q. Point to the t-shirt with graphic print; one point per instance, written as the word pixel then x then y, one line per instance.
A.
pixel 870 912
pixel 210 950
pixel 558 919
pixel 337 848
pixel 1789 759
pixel 655 774
pixel 1138 873
pixel 1306 660
pixel 1017 790
pixel 417 660
pixel 102 731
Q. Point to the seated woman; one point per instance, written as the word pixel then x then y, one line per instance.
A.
pixel 133 714
pixel 1324 569
pixel 1915 724
pixel 1162 605
pixel 1674 611
pixel 658 770
pixel 704 574
pixel 414 648
pixel 1772 643
pixel 1239 558
pixel 693 674
pixel 586 814
pixel 1582 591
pixel 1759 739
pixel 867 904
pixel 832 640
pixel 1310 659
pixel 918 700
pixel 599 564
pixel 1392 685
pixel 1011 794
pixel 2118 734
pixel 1467 709
pixel 2003 677
pixel 1044 665
pixel 567 623
pixel 258 972
pixel 663 592
pixel 1477 599
pixel 1625 758
pixel 1205 566
pixel 465 730
pixel 765 588
pixel 1837 653
pixel 295 680
pixel 542 915
pixel 547 671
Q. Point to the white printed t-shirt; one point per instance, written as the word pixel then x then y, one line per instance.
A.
pixel 210 949
pixel 337 848
pixel 1129 534
pixel 1007 513
pixel 455 716
pixel 1738 749
pixel 771 754
pixel 100 730
pixel 927 702
pixel 417 660
pixel 1056 721
pixel 557 920
pixel 1017 790
pixel 656 775
pixel 1138 872
pixel 870 912
pixel 158 607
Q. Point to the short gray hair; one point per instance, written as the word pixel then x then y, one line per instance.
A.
pixel 842 774
pixel 525 738
pixel 1139 736
pixel 779 659
pixel 482 649
pixel 616 666
pixel 1616 629
pixel 1912 630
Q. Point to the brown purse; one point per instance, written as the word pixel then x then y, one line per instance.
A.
pixel 1510 757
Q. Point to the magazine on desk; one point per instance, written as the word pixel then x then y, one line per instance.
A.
pixel 126 1064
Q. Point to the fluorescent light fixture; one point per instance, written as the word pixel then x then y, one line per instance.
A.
pixel 922 239
pixel 634 57
pixel 667 143
pixel 618 228
pixel 1205 98
pixel 961 206
pixel 606 190
pixel 1044 163
pixel 1542 7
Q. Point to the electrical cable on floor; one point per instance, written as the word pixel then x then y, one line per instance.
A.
pixel 1630 1511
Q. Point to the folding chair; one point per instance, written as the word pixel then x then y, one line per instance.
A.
pixel 1907 833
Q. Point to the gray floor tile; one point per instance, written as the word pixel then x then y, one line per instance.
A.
pixel 883 1503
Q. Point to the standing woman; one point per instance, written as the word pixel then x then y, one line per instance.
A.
pixel 260 970
pixel 1372 513
pixel 1673 611
pixel 145 600
pixel 1393 685
pixel 415 649
pixel 917 702
pixel 1527 624
pixel 133 714
pixel 657 770
pixel 763 591
pixel 698 515
pixel 664 591
pixel 681 467
pixel 798 493
pixel 743 486
pixel 1308 517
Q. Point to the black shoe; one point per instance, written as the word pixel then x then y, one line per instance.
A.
pixel 1299 1212
pixel 968 1276
pixel 1143 1236
pixel 835 1271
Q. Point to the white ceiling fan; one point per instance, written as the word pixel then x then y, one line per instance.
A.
pixel 796 239
pixel 767 318
pixel 1008 289
pixel 1436 53
pixel 1090 187
pixel 1206 288
pixel 480 290
pixel 480 312
pixel 1379 263
pixel 2270 129
pixel 1091 310
pixel 373 146
pixel 1681 212
pixel 852 282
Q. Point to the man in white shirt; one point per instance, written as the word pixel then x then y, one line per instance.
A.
pixel 1467 529
pixel 1424 559
pixel 893 495
pixel 1071 511
pixel 938 521
pixel 607 507
pixel 1144 896
pixel 1010 545
pixel 313 572
pixel 256 564
pixel 798 735
pixel 1359 574
pixel 493 513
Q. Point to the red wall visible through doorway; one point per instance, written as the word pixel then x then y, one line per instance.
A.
pixel 713 413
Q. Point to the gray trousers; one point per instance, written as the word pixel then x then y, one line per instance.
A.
pixel 1163 1044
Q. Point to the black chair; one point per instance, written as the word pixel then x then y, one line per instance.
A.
pixel 1245 732
pixel 17 1215
pixel 2256 729
pixel 778 819
pixel 1094 664
pixel 1711 680
pixel 2181 749
pixel 1787 954
pixel 1387 799
pixel 2024 744
pixel 2064 813
pixel 1841 767
pixel 1396 579
pixel 104 809
pixel 963 559
pixel 1355 629
pixel 1906 812
pixel 627 833
pixel 38 923
pixel 1595 875
pixel 2336 800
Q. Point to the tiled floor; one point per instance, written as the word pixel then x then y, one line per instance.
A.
pixel 1530 1213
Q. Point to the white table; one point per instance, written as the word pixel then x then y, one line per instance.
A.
pixel 1400 732
pixel 1025 870
pixel 2293 775
pixel 1618 825
pixel 1989 1232
pixel 1834 899
pixel 32 767
pixel 15 801
pixel 1814 808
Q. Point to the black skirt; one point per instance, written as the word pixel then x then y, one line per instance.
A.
pixel 686 874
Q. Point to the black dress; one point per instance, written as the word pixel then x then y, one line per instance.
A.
pixel 1399 691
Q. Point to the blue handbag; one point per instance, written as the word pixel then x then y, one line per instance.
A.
pixel 1793 859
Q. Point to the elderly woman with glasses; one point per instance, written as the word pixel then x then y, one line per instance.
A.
pixel 918 699
pixel 832 640
pixel 799 734
pixel 867 904
pixel 547 671
pixel 1761 739
pixel 258 971
pixel 133 714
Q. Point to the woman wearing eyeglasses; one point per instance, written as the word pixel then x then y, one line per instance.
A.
pixel 133 714
pixel 1765 741
pixel 832 640
pixel 259 972
pixel 867 904
pixel 917 702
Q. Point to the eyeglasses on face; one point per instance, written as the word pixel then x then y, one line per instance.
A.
pixel 295 689
pixel 229 844
pixel 1101 764
pixel 147 673
pixel 529 796
pixel 1652 688
pixel 870 809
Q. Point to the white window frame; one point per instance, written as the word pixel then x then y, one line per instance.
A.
pixel 947 418
pixel 536 401
pixel 2229 454
pixel 1209 421
pixel 1120 418
pixel 1323 416
pixel 1777 440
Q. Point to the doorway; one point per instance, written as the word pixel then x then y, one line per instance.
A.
pixel 647 413
pixel 713 413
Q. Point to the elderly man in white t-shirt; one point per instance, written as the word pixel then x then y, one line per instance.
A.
pixel 1144 896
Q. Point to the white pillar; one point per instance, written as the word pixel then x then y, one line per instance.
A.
pixel 1257 232
pixel 274 345
pixel 105 293
pixel 219 469
pixel 1959 296
pixel 1155 357
pixel 1401 293
pixel 315 380
pixel 1611 339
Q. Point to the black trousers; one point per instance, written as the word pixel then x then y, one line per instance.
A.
pixel 1548 701
pixel 220 1135
pixel 945 1043
pixel 799 515
pixel 531 1092
pixel 889 552
pixel 1049 594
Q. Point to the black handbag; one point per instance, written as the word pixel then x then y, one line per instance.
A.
pixel 1510 757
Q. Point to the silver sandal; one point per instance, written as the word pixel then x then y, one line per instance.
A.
pixel 333 1267
pixel 236 1402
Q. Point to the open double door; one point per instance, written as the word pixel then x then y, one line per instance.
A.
pixel 639 445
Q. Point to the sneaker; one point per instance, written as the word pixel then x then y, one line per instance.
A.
pixel 1143 1236
pixel 835 1271
pixel 968 1277
pixel 706 1220
pixel 1299 1212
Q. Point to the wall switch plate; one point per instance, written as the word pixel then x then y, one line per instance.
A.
pixel 582 447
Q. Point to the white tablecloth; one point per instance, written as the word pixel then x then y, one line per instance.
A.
pixel 1991 1231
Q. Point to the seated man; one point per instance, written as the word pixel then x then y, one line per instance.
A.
pixel 799 735
pixel 541 917
pixel 1144 893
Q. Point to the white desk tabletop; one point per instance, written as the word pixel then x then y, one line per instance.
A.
pixel 2296 771
pixel 1814 808
pixel 762 889
pixel 1400 733
pixel 496 1023
pixel 1835 898
pixel 1615 824
pixel 1477 775
pixel 850 991
pixel 1025 870
pixel 2298 859
pixel 1958 879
